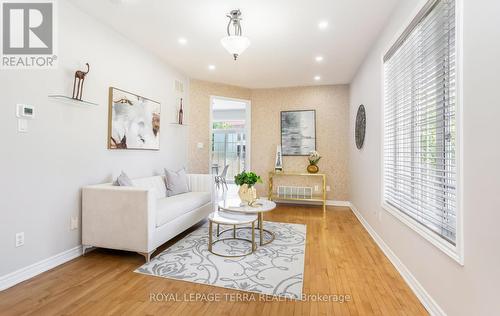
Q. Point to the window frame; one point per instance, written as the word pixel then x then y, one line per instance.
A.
pixel 456 252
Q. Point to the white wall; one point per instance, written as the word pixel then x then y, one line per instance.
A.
pixel 41 172
pixel 471 289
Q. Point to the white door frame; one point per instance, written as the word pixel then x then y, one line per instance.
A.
pixel 248 129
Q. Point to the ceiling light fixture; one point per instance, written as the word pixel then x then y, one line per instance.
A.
pixel 319 58
pixel 317 78
pixel 237 43
pixel 182 41
pixel 323 25
pixel 211 67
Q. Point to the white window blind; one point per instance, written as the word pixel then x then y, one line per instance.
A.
pixel 419 121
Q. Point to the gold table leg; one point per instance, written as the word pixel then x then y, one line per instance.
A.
pixel 211 242
pixel 254 246
pixel 324 194
pixel 262 230
pixel 260 227
pixel 210 235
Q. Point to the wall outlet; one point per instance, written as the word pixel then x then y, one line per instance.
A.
pixel 19 239
pixel 316 188
pixel 74 223
pixel 200 145
pixel 328 189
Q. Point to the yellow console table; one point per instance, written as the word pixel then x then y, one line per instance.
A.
pixel 313 198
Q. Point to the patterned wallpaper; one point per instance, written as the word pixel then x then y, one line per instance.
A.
pixel 199 116
pixel 332 107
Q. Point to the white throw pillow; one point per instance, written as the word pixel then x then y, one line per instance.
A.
pixel 177 182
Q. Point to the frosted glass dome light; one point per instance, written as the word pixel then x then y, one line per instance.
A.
pixel 235 45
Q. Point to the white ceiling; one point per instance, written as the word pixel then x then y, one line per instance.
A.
pixel 284 34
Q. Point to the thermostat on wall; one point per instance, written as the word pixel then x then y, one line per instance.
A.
pixel 25 111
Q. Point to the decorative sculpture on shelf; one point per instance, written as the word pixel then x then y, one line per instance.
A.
pixel 278 163
pixel 181 115
pixel 78 83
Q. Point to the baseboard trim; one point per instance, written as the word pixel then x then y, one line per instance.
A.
pixel 338 203
pixel 429 303
pixel 35 269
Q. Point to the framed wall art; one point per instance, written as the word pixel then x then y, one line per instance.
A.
pixel 298 132
pixel 134 121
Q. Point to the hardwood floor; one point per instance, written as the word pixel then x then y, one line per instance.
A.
pixel 341 258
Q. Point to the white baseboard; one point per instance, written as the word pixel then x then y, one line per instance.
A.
pixel 338 203
pixel 429 303
pixel 30 271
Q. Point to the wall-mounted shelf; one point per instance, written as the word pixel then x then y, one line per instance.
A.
pixel 178 124
pixel 69 100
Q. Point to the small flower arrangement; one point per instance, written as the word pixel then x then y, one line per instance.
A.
pixel 314 157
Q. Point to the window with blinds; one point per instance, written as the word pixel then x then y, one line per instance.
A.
pixel 419 121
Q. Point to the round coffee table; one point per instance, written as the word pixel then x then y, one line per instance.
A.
pixel 260 207
pixel 233 219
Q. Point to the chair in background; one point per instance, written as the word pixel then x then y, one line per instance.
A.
pixel 220 180
pixel 215 168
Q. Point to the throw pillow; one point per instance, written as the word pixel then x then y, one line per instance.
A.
pixel 123 180
pixel 177 182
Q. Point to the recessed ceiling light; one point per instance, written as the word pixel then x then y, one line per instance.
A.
pixel 319 58
pixel 323 25
pixel 182 41
pixel 317 78
pixel 211 67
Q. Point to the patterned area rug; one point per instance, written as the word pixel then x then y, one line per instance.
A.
pixel 274 269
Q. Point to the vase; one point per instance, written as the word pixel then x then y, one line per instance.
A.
pixel 312 168
pixel 247 195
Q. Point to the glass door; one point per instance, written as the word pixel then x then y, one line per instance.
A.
pixel 230 125
pixel 228 148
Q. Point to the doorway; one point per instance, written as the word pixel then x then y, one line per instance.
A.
pixel 230 136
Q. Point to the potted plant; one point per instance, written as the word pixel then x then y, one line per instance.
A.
pixel 313 158
pixel 246 181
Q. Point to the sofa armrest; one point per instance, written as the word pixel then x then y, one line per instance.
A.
pixel 118 217
pixel 202 183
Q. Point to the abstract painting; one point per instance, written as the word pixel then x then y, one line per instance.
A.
pixel 134 121
pixel 298 132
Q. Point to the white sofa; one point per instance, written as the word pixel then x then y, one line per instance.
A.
pixel 140 217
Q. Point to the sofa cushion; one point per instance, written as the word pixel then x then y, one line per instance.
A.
pixel 157 183
pixel 175 206
pixel 123 180
pixel 176 182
